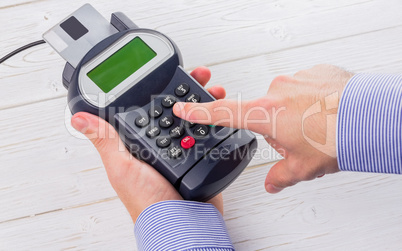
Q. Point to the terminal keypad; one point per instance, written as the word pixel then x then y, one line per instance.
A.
pixel 167 130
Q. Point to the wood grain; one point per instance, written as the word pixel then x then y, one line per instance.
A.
pixel 50 153
pixel 54 191
pixel 96 226
pixel 347 211
pixel 51 146
pixel 309 216
pixel 252 28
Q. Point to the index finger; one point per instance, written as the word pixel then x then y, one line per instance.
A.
pixel 254 115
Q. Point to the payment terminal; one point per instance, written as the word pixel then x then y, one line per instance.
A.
pixel 132 77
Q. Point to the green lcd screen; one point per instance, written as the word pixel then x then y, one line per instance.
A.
pixel 119 66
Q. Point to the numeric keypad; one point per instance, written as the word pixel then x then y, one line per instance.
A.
pixel 170 131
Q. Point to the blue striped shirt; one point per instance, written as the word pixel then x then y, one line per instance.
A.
pixel 369 139
pixel 369 124
pixel 182 225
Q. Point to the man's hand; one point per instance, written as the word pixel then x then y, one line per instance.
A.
pixel 137 184
pixel 297 117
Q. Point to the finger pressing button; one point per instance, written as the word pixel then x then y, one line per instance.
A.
pixel 168 101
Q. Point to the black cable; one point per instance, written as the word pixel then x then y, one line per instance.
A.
pixel 9 55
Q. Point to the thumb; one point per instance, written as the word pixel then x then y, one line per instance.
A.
pixel 104 137
pixel 279 177
pixel 252 114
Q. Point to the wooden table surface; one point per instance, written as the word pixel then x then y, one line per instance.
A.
pixel 54 193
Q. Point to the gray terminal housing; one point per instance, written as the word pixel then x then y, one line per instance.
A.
pixel 199 174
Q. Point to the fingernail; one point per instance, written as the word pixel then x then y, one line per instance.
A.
pixel 273 189
pixel 178 109
pixel 80 124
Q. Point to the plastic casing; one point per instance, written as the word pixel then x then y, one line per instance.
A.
pixel 209 175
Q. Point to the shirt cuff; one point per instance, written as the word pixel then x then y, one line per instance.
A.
pixel 369 134
pixel 181 225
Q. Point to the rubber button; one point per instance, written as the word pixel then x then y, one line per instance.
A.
pixel 177 132
pixel 142 121
pixel 201 131
pixel 195 98
pixel 152 132
pixel 155 111
pixel 174 152
pixel 168 101
pixel 187 142
pixel 182 90
pixel 163 141
pixel 166 122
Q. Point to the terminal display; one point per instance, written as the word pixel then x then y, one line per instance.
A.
pixel 123 63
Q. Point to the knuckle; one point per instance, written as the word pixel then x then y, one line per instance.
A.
pixel 265 103
pixel 323 66
pixel 315 68
pixel 296 169
pixel 301 171
pixel 280 83
pixel 308 174
pixel 186 106
pixel 217 104
pixel 100 143
pixel 217 109
pixel 285 180
pixel 278 80
pixel 105 135
pixel 301 74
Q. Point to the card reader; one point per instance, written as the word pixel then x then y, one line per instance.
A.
pixel 132 77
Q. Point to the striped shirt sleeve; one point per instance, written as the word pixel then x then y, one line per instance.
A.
pixel 369 127
pixel 182 225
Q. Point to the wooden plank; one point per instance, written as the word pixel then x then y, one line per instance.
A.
pixel 202 30
pixel 10 4
pixel 343 211
pixel 47 175
pixel 97 226
pixel 45 168
pixel 369 54
pixel 34 151
pixel 376 52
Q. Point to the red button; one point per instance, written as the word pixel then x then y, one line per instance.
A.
pixel 187 142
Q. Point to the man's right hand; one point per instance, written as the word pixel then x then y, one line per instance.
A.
pixel 297 117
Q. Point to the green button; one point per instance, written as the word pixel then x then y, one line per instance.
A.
pixel 212 125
